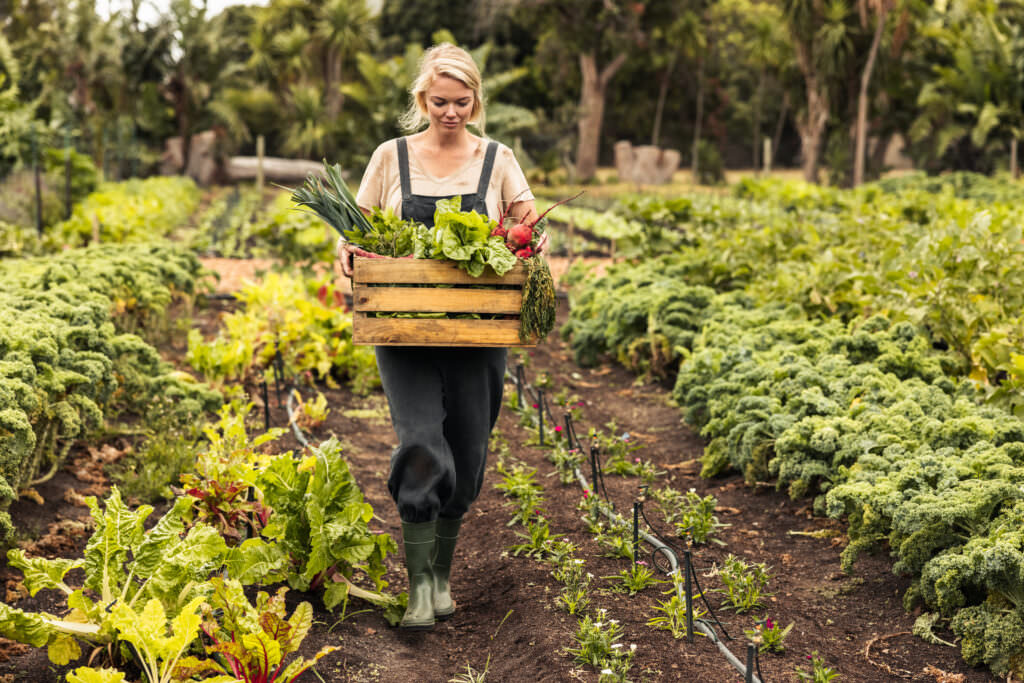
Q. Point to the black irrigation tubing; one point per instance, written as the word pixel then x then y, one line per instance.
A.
pixel 698 624
pixel 609 512
pixel 672 546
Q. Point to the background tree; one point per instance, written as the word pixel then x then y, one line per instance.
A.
pixel 820 45
pixel 344 27
pixel 880 10
pixel 971 109
pixel 754 43
pixel 599 36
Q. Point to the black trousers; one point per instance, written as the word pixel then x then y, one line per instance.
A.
pixel 444 403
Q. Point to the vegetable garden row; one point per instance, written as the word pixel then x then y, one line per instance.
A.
pixel 864 349
pixel 861 350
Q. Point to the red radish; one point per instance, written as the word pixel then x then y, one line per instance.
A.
pixel 516 241
pixel 520 235
pixel 500 232
pixel 525 252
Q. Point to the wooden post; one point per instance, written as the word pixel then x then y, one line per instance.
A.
pixel 1014 169
pixel 767 155
pixel 260 141
pixel 39 183
pixel 67 174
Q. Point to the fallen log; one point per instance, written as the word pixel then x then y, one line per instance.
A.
pixel 275 169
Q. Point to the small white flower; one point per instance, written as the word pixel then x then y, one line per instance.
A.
pixel 616 646
pixel 589 575
pixel 606 672
pixel 632 647
pixel 577 561
pixel 613 621
pixel 598 624
pixel 693 490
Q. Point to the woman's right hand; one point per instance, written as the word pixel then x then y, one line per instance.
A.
pixel 344 252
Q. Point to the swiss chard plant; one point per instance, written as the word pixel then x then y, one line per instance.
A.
pixel 126 564
pixel 253 643
pixel 321 520
pixel 223 483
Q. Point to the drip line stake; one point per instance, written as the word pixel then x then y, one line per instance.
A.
pixel 688 587
pixel 519 385
pixel 266 406
pixel 540 415
pixel 636 531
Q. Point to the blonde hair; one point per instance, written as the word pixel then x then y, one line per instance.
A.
pixel 449 60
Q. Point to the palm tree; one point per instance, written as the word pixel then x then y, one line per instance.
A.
pixel 976 95
pixel 344 27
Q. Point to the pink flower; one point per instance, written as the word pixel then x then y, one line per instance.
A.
pixel 534 405
pixel 768 624
pixel 586 493
pixel 636 459
pixel 558 428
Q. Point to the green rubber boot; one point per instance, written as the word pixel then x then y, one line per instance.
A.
pixel 447 535
pixel 418 539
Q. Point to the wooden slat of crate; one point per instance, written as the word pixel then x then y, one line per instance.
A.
pixel 435 332
pixel 424 271
pixel 431 300
pixel 371 293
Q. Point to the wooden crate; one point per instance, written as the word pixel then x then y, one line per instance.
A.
pixel 384 285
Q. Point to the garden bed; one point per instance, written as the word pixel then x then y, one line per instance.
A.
pixel 507 612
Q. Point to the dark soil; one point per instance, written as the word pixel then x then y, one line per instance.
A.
pixel 508 620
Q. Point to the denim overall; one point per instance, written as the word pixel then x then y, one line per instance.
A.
pixel 444 401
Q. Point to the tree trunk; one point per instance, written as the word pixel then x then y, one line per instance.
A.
pixel 811 123
pixel 1014 167
pixel 332 83
pixel 591 116
pixel 756 120
pixel 779 125
pixel 862 101
pixel 694 162
pixel 662 96
pixel 878 156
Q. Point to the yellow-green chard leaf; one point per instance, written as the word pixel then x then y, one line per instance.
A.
pixel 87 674
pixel 148 632
pixel 118 532
pixel 40 572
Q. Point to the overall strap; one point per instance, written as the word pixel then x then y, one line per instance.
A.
pixel 403 169
pixel 485 173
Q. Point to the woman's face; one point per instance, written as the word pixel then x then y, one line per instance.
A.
pixel 449 104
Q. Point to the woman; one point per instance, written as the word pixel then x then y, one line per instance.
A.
pixel 444 401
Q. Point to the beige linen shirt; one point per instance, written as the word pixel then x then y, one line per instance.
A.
pixel 381 186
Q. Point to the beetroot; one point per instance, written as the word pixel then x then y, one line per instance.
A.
pixel 500 232
pixel 520 235
pixel 525 252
